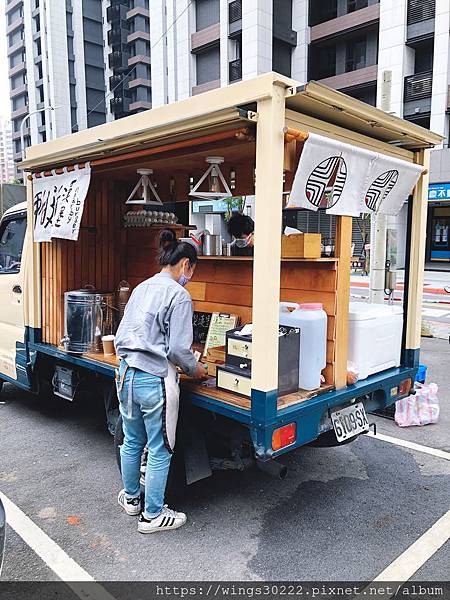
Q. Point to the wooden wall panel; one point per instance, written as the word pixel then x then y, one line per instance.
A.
pixel 94 259
pixel 106 253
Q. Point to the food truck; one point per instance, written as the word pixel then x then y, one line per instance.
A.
pixel 83 231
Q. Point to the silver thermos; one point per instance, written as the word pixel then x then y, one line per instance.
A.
pixel 212 245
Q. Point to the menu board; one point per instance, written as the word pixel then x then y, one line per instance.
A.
pixel 200 325
pixel 218 327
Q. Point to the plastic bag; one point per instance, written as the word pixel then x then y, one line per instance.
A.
pixel 352 373
pixel 422 408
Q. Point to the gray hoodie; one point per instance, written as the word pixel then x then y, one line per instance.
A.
pixel 157 327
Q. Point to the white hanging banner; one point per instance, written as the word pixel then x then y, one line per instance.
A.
pixel 391 181
pixel 348 180
pixel 58 204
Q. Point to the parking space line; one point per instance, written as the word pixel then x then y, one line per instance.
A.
pixel 411 445
pixel 52 554
pixel 414 557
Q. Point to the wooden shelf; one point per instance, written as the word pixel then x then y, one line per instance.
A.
pixel 175 226
pixel 250 258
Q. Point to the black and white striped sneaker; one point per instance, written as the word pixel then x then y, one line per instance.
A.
pixel 131 506
pixel 168 519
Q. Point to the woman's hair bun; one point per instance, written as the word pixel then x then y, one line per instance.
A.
pixel 167 239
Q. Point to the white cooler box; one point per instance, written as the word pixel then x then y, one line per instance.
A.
pixel 375 337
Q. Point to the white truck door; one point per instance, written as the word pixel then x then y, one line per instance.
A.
pixel 12 329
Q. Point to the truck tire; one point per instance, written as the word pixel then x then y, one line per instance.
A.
pixel 176 481
pixel 1 384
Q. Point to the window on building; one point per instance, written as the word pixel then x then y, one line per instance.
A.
pixel 37 23
pixel 19 102
pixel 281 57
pixel 40 91
pixel 38 47
pixel 322 62
pixel 12 235
pixel 43 137
pixel 207 12
pixel 353 5
pixel 322 11
pixel 355 53
pixel 39 71
pixel 423 57
pixel 208 65
pixel 69 21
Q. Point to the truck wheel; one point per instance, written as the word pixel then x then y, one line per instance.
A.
pixel 176 481
pixel 329 440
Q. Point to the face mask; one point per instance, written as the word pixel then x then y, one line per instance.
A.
pixel 184 279
pixel 242 243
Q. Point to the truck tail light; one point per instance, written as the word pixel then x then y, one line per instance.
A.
pixel 284 436
pixel 405 387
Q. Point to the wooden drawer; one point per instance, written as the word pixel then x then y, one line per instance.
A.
pixel 234 382
pixel 241 348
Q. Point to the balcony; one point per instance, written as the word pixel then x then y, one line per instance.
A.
pixel 116 80
pixel 117 36
pixel 418 87
pixel 235 18
pixel 205 37
pixel 235 70
pixel 420 10
pixel 420 20
pixel 116 13
pixel 358 77
pixel 120 104
pixel 118 60
pixel 417 94
pixel 358 19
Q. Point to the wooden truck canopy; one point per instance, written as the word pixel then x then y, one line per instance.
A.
pixel 246 123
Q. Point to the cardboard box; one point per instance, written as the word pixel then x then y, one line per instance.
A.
pixel 301 245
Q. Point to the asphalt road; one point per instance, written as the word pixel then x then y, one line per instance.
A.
pixel 344 513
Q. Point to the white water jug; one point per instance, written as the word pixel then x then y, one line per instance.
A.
pixel 312 321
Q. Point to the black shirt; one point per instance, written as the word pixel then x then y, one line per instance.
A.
pixel 236 251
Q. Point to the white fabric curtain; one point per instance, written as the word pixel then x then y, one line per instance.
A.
pixel 348 180
pixel 58 204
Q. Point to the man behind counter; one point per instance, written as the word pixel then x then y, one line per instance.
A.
pixel 241 228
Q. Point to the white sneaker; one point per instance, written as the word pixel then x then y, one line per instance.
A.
pixel 131 506
pixel 168 519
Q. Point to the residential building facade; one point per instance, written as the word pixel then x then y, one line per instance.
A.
pixel 132 55
pixel 56 68
pixel 7 169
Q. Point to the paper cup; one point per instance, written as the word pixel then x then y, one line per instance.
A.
pixel 108 345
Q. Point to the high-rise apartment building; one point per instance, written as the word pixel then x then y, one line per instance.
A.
pixel 56 67
pixel 7 168
pixel 97 60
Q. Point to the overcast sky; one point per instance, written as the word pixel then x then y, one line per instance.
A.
pixel 5 109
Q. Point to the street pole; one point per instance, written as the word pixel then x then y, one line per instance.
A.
pixel 378 229
pixel 24 120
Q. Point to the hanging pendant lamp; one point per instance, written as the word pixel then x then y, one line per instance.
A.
pixel 215 178
pixel 148 190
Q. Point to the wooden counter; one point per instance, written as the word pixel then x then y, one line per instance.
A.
pixel 196 387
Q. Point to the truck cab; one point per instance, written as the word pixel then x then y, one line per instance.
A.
pixel 13 258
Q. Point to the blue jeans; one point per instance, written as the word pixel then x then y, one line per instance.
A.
pixel 141 412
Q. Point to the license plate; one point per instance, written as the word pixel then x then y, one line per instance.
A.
pixel 349 421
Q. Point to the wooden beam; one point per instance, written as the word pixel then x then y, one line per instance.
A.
pixel 343 253
pixel 266 265
pixel 417 253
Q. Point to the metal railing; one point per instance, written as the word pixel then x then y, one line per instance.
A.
pixel 420 10
pixel 418 86
pixel 235 70
pixel 235 11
